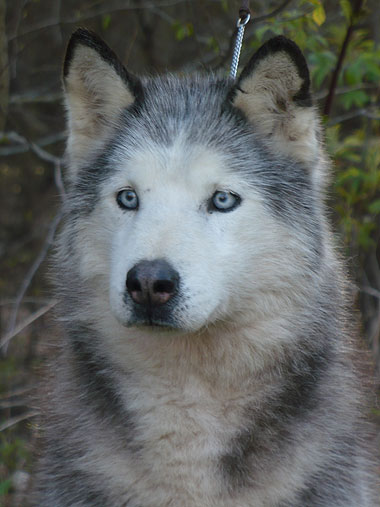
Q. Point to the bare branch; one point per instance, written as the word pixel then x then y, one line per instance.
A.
pixel 122 7
pixel 4 405
pixel 16 392
pixel 35 96
pixel 41 153
pixel 29 277
pixel 276 11
pixel 345 89
pixel 334 79
pixel 353 114
pixel 371 291
pixel 29 300
pixel 48 157
pixel 15 420
pixel 29 145
pixel 23 145
pixel 4 74
pixel 24 324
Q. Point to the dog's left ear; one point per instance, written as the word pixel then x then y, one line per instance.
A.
pixel 273 91
pixel 97 89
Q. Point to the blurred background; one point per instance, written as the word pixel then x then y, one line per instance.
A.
pixel 341 41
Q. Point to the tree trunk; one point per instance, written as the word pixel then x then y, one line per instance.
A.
pixel 4 69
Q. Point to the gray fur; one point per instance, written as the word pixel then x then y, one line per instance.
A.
pixel 260 408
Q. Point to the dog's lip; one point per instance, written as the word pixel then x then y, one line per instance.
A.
pixel 152 324
pixel 156 327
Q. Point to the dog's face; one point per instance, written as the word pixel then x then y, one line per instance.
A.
pixel 178 217
pixel 188 213
pixel 188 198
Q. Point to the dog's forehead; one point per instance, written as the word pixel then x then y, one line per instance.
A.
pixel 196 109
pixel 184 129
pixel 180 162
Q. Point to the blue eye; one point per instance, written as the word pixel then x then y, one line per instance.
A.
pixel 224 201
pixel 127 199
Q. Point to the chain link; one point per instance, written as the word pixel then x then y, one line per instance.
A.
pixel 238 43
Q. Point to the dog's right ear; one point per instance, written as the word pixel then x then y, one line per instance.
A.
pixel 97 89
pixel 273 92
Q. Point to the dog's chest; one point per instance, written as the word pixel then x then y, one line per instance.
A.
pixel 179 437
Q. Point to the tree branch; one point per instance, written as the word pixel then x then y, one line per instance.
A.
pixel 34 96
pixel 100 12
pixel 276 11
pixel 353 114
pixel 28 279
pixel 342 54
pixel 371 291
pixel 15 420
pixel 56 161
pixel 41 153
pixel 24 324
pixel 23 146
pixel 4 74
pixel 343 89
pixel 16 392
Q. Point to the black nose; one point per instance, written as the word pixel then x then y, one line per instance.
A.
pixel 152 283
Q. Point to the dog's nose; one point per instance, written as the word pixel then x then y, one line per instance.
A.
pixel 152 283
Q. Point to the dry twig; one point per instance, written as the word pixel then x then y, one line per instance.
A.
pixel 15 420
pixel 14 331
pixel 27 281
pixel 56 161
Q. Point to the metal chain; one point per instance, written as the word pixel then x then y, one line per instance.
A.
pixel 242 21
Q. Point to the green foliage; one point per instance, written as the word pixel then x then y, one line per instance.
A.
pixel 213 44
pixel 8 368
pixel 5 487
pixel 106 21
pixel 12 450
pixel 322 64
pixel 225 5
pixel 361 65
pixel 357 185
pixel 352 98
pixel 14 453
pixel 182 30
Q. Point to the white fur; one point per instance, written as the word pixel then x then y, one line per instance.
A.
pixel 222 272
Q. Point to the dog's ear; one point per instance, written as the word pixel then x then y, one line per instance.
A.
pixel 97 89
pixel 273 91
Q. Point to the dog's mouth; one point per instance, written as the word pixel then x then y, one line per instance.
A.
pixel 158 328
pixel 156 318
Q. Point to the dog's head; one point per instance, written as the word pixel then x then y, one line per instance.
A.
pixel 192 200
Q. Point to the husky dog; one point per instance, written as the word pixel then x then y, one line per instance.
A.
pixel 206 351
